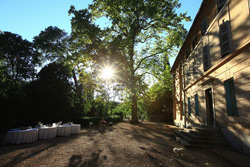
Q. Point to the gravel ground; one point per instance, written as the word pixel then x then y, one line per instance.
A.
pixel 144 144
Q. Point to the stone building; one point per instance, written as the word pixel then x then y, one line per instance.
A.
pixel 211 74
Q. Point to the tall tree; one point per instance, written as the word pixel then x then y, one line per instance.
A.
pixel 18 60
pixel 51 97
pixel 140 30
pixel 56 45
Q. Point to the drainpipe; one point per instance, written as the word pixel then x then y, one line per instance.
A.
pixel 214 115
pixel 184 94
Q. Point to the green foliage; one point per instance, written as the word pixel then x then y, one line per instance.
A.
pixel 52 43
pixel 158 100
pixel 124 108
pixel 51 95
pixel 141 32
pixel 18 60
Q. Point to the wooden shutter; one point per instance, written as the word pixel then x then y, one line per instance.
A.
pixel 225 38
pixel 206 58
pixel 189 107
pixel 196 104
pixel 231 103
pixel 220 4
pixel 194 42
pixel 204 26
pixel 187 53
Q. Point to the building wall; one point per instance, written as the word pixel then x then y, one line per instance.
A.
pixel 235 65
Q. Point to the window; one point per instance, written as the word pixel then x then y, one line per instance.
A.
pixel 230 98
pixel 187 53
pixel 194 42
pixel 188 75
pixel 204 26
pixel 189 107
pixel 206 58
pixel 196 104
pixel 195 66
pixel 220 4
pixel 225 38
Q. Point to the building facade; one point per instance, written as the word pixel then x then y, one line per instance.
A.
pixel 211 74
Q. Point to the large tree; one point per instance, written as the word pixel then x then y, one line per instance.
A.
pixel 141 30
pixel 75 50
pixel 18 59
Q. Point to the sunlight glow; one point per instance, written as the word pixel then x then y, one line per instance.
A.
pixel 107 73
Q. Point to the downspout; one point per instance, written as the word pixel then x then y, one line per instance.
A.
pixel 184 94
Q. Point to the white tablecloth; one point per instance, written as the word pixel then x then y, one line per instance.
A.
pixel 75 128
pixel 22 136
pixel 47 133
pixel 63 130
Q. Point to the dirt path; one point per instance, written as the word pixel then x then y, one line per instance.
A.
pixel 127 145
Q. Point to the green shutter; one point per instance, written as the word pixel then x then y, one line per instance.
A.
pixel 233 98
pixel 196 105
pixel 189 107
pixel 230 98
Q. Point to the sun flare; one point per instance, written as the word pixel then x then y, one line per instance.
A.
pixel 107 73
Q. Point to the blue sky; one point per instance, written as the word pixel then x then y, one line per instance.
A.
pixel 29 17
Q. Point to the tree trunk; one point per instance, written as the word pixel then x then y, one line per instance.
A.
pixel 134 118
pixel 79 89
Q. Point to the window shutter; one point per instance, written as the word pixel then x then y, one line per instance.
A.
pixel 220 4
pixel 194 42
pixel 187 53
pixel 196 105
pixel 204 26
pixel 230 98
pixel 225 38
pixel 189 107
pixel 206 58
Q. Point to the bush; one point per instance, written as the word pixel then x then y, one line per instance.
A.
pixel 84 121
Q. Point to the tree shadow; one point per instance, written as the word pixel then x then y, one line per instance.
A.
pixel 40 145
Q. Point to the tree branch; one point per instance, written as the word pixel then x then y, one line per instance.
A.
pixel 139 64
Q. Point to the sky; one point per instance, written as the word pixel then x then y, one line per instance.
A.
pixel 29 17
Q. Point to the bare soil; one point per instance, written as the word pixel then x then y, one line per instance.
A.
pixel 144 144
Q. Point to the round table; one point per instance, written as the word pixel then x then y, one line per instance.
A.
pixel 47 133
pixel 22 136
pixel 63 130
pixel 75 128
